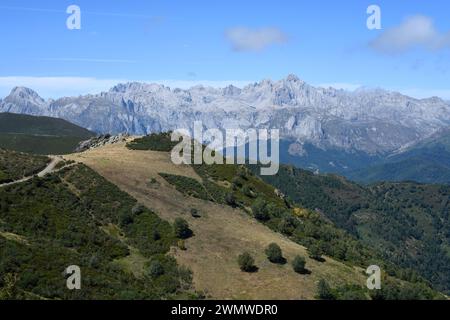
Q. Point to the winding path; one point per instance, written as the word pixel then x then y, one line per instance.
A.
pixel 48 169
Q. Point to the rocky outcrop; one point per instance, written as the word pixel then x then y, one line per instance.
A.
pixel 100 141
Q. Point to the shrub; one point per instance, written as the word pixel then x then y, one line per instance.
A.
pixel 298 264
pixel 236 182
pixel 287 225
pixel 156 235
pixel 137 209
pixel 126 218
pixel 242 173
pixel 324 291
pixel 246 262
pixel 155 269
pixel 230 199
pixel 315 252
pixel 181 228
pixel 259 209
pixel 274 253
pixel 195 213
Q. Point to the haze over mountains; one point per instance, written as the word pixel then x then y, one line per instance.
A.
pixel 365 125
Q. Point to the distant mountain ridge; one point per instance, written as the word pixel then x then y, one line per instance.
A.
pixel 366 120
pixel 426 162
pixel 317 122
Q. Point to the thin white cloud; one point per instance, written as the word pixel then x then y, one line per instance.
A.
pixel 55 87
pixel 99 13
pixel 246 39
pixel 88 60
pixel 414 32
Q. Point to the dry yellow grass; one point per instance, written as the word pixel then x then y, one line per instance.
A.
pixel 220 235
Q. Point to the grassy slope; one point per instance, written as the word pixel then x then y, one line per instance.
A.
pixel 222 233
pixel 77 217
pixel 40 135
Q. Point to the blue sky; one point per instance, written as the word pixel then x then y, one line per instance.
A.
pixel 181 43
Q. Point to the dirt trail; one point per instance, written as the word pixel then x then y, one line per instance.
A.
pixel 48 169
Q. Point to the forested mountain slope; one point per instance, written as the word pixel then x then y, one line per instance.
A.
pixel 408 222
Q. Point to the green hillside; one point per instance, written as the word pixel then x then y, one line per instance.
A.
pixel 301 221
pixel 39 135
pixel 407 222
pixel 76 217
pixel 16 165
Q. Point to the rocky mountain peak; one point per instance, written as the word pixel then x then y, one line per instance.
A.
pixel 24 93
pixel 369 120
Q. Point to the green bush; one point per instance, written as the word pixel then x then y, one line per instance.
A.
pixel 260 211
pixel 126 218
pixel 246 262
pixel 155 269
pixel 315 252
pixel 181 228
pixel 154 141
pixel 274 253
pixel 195 213
pixel 298 264
pixel 230 199
pixel 137 210
pixel 324 291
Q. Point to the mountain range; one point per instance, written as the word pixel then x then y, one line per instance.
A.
pixel 321 128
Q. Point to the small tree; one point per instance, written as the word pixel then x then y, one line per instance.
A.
pixel 298 264
pixel 287 225
pixel 155 235
pixel 324 291
pixel 230 199
pixel 195 213
pixel 259 209
pixel 236 182
pixel 137 209
pixel 242 173
pixel 274 253
pixel 181 228
pixel 126 218
pixel 155 269
pixel 246 262
pixel 315 252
